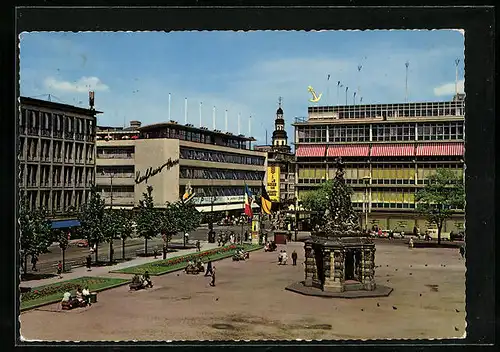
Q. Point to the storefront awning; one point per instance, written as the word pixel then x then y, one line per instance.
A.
pixel 393 150
pixel 348 150
pixel 62 224
pixel 310 151
pixel 436 149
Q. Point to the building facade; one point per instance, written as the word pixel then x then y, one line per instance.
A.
pixel 389 151
pixel 280 164
pixel 172 158
pixel 56 154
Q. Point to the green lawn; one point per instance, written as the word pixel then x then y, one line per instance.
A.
pixel 52 293
pixel 161 267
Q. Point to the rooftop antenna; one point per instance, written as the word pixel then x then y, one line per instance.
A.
pixel 185 110
pixel 354 98
pixel 213 118
pixel 169 106
pixel 457 61
pixel 359 78
pixel 225 121
pixel 250 126
pixel 239 122
pixel 327 89
pixel 407 64
pixel 201 103
pixel 338 88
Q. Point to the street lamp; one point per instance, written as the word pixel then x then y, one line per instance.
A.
pixel 111 176
pixel 366 180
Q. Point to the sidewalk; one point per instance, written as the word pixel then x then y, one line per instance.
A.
pixel 104 271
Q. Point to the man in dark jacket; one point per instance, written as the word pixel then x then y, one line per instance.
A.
pixel 209 268
pixel 294 257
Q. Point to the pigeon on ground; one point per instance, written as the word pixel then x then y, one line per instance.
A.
pixel 444 265
pixel 387 280
pixel 378 304
pixel 456 329
pixel 420 295
pixel 425 264
pixel 410 273
pixel 217 299
pixel 393 307
pixel 362 310
pixel 456 310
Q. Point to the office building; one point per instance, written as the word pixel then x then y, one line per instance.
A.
pixel 172 157
pixel 389 151
pixel 56 154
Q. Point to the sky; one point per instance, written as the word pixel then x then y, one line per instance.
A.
pixel 244 73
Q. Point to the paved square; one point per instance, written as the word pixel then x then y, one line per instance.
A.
pixel 250 302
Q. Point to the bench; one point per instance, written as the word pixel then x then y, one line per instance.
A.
pixel 136 286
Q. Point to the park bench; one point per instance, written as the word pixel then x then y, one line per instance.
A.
pixel 136 286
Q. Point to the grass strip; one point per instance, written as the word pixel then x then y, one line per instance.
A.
pixel 51 293
pixel 166 266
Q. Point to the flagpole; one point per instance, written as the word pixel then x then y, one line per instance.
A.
pixel 201 103
pixel 169 106
pixel 213 118
pixel 239 121
pixel 185 110
pixel 225 121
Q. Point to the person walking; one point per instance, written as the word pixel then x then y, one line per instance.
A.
pixel 280 257
pixel 59 269
pixel 155 251
pixel 198 245
pixel 209 271
pixel 212 283
pixel 462 250
pixel 34 260
pixel 294 257
pixel 89 262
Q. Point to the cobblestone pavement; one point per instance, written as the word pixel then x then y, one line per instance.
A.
pixel 249 302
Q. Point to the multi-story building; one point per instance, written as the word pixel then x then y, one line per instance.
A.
pixel 389 151
pixel 56 154
pixel 172 157
pixel 280 164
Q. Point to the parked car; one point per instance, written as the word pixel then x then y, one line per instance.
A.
pixel 457 236
pixel 82 243
pixel 398 234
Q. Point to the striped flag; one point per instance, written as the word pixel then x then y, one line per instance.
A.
pixel 248 202
pixel 265 201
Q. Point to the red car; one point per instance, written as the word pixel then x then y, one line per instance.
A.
pixel 82 243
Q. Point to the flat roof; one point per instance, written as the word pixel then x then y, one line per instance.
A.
pixel 192 128
pixel 58 106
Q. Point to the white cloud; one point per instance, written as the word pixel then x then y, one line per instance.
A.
pixel 449 88
pixel 84 84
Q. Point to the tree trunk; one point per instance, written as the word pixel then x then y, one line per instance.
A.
pixel 123 249
pixel 145 246
pixel 440 226
pixel 63 260
pixel 111 251
pixel 25 264
pixel 96 250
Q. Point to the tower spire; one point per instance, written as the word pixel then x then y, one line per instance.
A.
pixel 280 99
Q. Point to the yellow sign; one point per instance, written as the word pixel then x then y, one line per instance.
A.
pixel 315 97
pixel 273 183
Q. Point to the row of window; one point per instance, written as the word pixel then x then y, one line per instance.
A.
pixel 194 136
pixel 115 152
pixel 39 120
pixel 115 171
pixel 381 132
pixel 223 191
pixel 220 174
pixel 55 176
pixel 33 150
pixel 220 157
pixel 55 201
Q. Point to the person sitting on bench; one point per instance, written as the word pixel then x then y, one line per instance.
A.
pixel 136 283
pixel 146 280
pixel 79 297
pixel 66 300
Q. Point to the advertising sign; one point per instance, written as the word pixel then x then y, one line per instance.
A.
pixel 273 183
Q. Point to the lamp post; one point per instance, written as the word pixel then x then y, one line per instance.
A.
pixel 296 219
pixel 366 180
pixel 111 176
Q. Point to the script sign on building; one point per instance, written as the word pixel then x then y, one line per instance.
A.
pixel 150 172
pixel 273 183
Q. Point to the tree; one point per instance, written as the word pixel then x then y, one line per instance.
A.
pixel 111 227
pixel 147 218
pixel 62 238
pixel 36 231
pixel 443 194
pixel 91 216
pixel 316 202
pixel 169 224
pixel 125 220
pixel 189 217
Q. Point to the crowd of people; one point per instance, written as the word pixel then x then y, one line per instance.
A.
pixel 81 298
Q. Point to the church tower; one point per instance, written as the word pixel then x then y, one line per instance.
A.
pixel 280 138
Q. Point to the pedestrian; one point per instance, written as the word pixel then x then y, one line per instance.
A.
pixel 410 244
pixel 186 236
pixel 284 258
pixel 59 269
pixel 239 239
pixel 294 257
pixel 212 283
pixel 34 260
pixel 462 251
pixel 89 262
pixel 209 268
pixel 155 251
pixel 246 236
